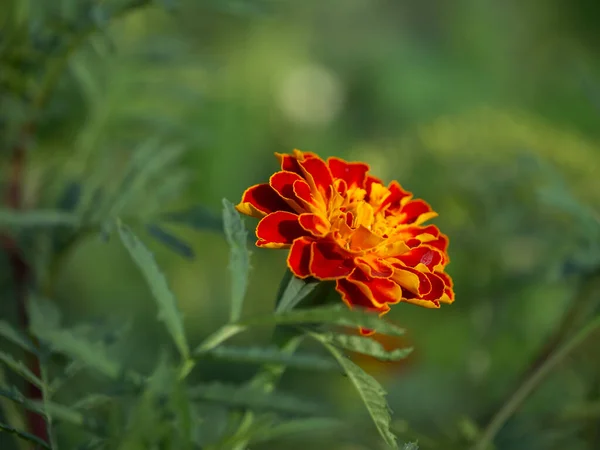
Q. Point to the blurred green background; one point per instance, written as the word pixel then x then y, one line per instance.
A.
pixel 488 110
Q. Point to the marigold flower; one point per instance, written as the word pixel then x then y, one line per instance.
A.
pixel 340 223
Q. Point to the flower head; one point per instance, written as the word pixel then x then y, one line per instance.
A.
pixel 340 223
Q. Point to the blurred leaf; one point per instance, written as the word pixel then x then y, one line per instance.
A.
pixel 271 355
pixel 16 337
pixel 167 305
pixel 24 435
pixel 367 346
pixel 371 392
pixel 171 241
pixel 20 369
pixel 252 398
pixel 44 324
pixel 197 217
pixel 38 218
pixel 148 160
pixel 299 427
pixel 294 292
pixel 148 423
pixel 239 257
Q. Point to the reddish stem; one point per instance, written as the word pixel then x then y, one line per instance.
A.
pixel 21 272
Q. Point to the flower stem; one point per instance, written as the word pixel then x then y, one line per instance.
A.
pixel 531 383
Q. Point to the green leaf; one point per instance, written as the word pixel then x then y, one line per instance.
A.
pixel 40 218
pixel 44 324
pixel 371 392
pixel 294 292
pixel 252 398
pixel 271 355
pixel 20 369
pixel 169 240
pixel 367 346
pixel 16 337
pixel 336 315
pixel 298 427
pixel 410 446
pixel 239 257
pixel 167 305
pixel 25 436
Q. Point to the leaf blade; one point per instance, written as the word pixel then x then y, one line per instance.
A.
pixel 369 389
pixel 167 305
pixel 239 257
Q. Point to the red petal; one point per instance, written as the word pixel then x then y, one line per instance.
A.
pixel 415 209
pixel 379 290
pixel 437 287
pixel 302 191
pixel 299 257
pixel 328 262
pixel 353 296
pixel 411 279
pixel 317 170
pixel 424 254
pixel 354 174
pixel 289 163
pixel 264 199
pixel 394 200
pixel 314 224
pixel 280 227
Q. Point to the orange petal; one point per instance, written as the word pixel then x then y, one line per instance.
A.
pixel 364 239
pixel 374 266
pixel 412 279
pixel 280 227
pixel 299 257
pixel 353 173
pixel 314 224
pixel 260 200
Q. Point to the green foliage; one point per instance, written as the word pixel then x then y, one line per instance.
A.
pixel 367 346
pixel 168 311
pixel 239 258
pixel 370 391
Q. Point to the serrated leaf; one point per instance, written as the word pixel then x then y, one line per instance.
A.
pixel 20 369
pixel 271 355
pixel 167 305
pixel 38 218
pixel 239 257
pixel 369 389
pixel 410 446
pixel 44 324
pixel 8 332
pixel 197 217
pixel 336 315
pixel 24 435
pixel 252 398
pixel 367 346
pixel 292 293
pixel 169 240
